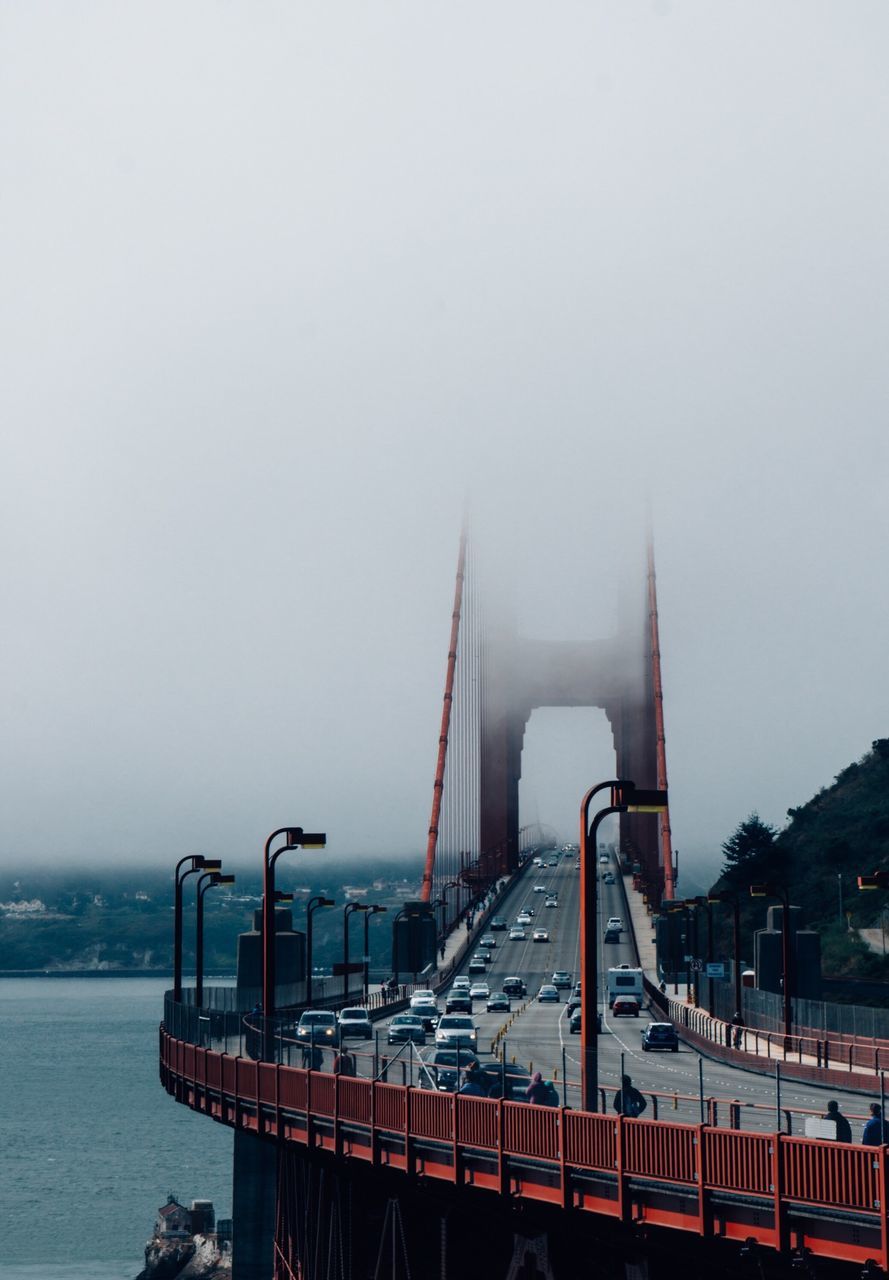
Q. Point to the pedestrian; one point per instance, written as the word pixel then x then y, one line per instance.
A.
pixel 738 1024
pixel 537 1091
pixel 344 1063
pixel 471 1085
pixel 844 1129
pixel 628 1101
pixel 384 992
pixel 313 1058
pixel 875 1130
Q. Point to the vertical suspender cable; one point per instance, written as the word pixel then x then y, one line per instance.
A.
pixel 429 869
pixel 666 840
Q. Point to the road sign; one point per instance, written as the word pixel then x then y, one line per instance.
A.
pixel 716 969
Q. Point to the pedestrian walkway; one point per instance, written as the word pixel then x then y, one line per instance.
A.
pixel 832 1062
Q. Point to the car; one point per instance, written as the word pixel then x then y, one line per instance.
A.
pixel 456 1028
pixel 611 935
pixel 514 986
pixel 603 857
pixel 573 1003
pixel 562 978
pixel 477 966
pixel 479 991
pixel 540 935
pixel 625 1007
pixel 529 910
pixel 517 935
pixel 446 1065
pixel 458 1000
pixel 540 888
pixel 423 1005
pixel 462 981
pixel 498 923
pixel 516 1077
pixel 575 1022
pixel 551 902
pixel 660 1035
pixel 485 957
pixel 538 862
pixel 498 1001
pixel 318 1026
pixel 355 1022
pixel 487 941
pixel 553 862
pixel 404 1027
pixel 608 877
pixel 548 994
pixel 523 918
pixel 577 866
pixel 614 922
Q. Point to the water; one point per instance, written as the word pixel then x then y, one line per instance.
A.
pixel 91 1143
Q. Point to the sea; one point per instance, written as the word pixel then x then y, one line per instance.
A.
pixel 90 1144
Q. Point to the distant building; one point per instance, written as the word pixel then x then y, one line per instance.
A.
pixel 174 1221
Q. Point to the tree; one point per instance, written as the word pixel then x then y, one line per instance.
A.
pixel 751 853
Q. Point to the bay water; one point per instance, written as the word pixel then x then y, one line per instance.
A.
pixel 90 1144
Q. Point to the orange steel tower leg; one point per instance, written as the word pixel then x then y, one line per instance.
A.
pixel 666 840
pixel 432 840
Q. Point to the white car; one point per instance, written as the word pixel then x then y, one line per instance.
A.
pixel 460 982
pixel 603 857
pixel 422 998
pixel 517 935
pixel 456 1028
pixel 551 902
pixel 523 918
pixel 540 888
pixel 540 935
pixel 614 922
pixel 479 991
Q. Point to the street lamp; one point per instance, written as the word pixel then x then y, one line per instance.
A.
pixel 349 908
pixel 778 891
pixel 295 838
pixel 205 882
pixel 370 911
pixel 198 863
pixel 735 902
pixel 311 907
pixel 625 798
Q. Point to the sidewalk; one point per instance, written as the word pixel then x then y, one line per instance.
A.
pixel 830 1063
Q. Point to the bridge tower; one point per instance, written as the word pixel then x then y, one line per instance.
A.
pixel 495 678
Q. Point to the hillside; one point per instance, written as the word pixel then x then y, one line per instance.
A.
pixel 841 833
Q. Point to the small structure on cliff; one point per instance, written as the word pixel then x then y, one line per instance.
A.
pixel 188 1243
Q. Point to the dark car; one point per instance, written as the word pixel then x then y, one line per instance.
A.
pixel 612 935
pixel 575 1021
pixel 477 965
pixel 573 1003
pixel 458 1002
pixel 517 1080
pixel 445 1066
pixel 498 1000
pixel 406 1026
pixel 514 987
pixel 660 1035
pixel 498 923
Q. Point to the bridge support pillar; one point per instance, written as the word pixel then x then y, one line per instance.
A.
pixel 254 1193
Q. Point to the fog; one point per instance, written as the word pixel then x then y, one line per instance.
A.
pixel 289 286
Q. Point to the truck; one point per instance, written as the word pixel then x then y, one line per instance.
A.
pixel 624 981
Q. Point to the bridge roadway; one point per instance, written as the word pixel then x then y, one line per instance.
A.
pixel 539 1037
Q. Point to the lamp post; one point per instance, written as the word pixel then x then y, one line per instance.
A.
pixel 625 798
pixel 692 905
pixel 295 838
pixel 374 910
pixel 311 907
pixel 198 863
pixel 735 902
pixel 349 908
pixel 778 891
pixel 673 908
pixel 205 882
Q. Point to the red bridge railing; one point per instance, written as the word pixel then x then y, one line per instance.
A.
pixel 718 1181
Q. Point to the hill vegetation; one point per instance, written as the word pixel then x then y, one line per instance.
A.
pixel 841 833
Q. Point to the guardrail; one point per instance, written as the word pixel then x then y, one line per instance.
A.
pixel 721 1182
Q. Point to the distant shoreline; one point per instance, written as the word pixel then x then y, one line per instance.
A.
pixel 98 973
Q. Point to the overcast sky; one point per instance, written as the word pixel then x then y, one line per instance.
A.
pixel 285 284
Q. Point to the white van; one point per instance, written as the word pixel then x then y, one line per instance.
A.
pixel 624 981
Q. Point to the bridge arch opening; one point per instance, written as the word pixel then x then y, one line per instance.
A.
pixel 565 751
